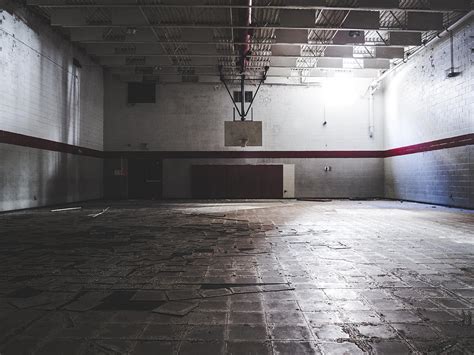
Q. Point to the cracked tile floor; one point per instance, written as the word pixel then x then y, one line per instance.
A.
pixel 281 277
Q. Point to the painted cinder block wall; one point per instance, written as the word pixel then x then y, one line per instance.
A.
pixel 422 104
pixel 44 95
pixel 354 177
pixel 190 117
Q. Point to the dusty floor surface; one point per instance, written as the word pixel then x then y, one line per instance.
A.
pixel 238 278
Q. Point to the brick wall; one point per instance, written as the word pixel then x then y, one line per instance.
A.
pixel 423 104
pixel 349 178
pixel 190 117
pixel 44 95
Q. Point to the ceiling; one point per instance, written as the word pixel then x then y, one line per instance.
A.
pixel 187 40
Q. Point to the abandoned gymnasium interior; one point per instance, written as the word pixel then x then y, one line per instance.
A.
pixel 243 177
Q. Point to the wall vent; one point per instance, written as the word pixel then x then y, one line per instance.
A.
pixel 141 93
pixel 248 96
pixel 237 96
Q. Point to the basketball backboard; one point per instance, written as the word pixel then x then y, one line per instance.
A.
pixel 243 133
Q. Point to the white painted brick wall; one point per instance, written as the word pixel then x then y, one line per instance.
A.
pixel 42 93
pixel 191 117
pixel 354 178
pixel 443 177
pixel 41 96
pixel 34 177
pixel 421 105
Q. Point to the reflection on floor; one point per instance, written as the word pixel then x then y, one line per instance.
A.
pixel 281 277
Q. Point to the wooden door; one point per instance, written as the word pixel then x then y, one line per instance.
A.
pixel 145 179
pixel 237 181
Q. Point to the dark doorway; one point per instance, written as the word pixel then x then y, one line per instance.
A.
pixel 237 181
pixel 145 179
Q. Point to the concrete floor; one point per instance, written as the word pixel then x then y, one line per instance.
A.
pixel 239 278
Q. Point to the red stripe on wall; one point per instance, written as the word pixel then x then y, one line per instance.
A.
pixel 459 141
pixel 44 144
pixel 249 154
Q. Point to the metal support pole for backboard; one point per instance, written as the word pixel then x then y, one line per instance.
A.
pixel 258 89
pixel 242 98
pixel 242 113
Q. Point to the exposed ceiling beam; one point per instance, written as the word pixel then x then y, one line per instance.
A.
pixel 225 26
pixel 117 44
pixel 134 35
pixel 454 5
pixel 291 25
pixel 311 43
pixel 230 55
pixel 164 67
pixel 256 71
pixel 362 63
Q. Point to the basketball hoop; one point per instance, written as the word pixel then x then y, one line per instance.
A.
pixel 244 142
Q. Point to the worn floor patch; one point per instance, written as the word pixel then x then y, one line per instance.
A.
pixel 271 277
pixel 176 308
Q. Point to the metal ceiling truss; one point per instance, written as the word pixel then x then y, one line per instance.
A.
pixel 432 6
pixel 297 38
